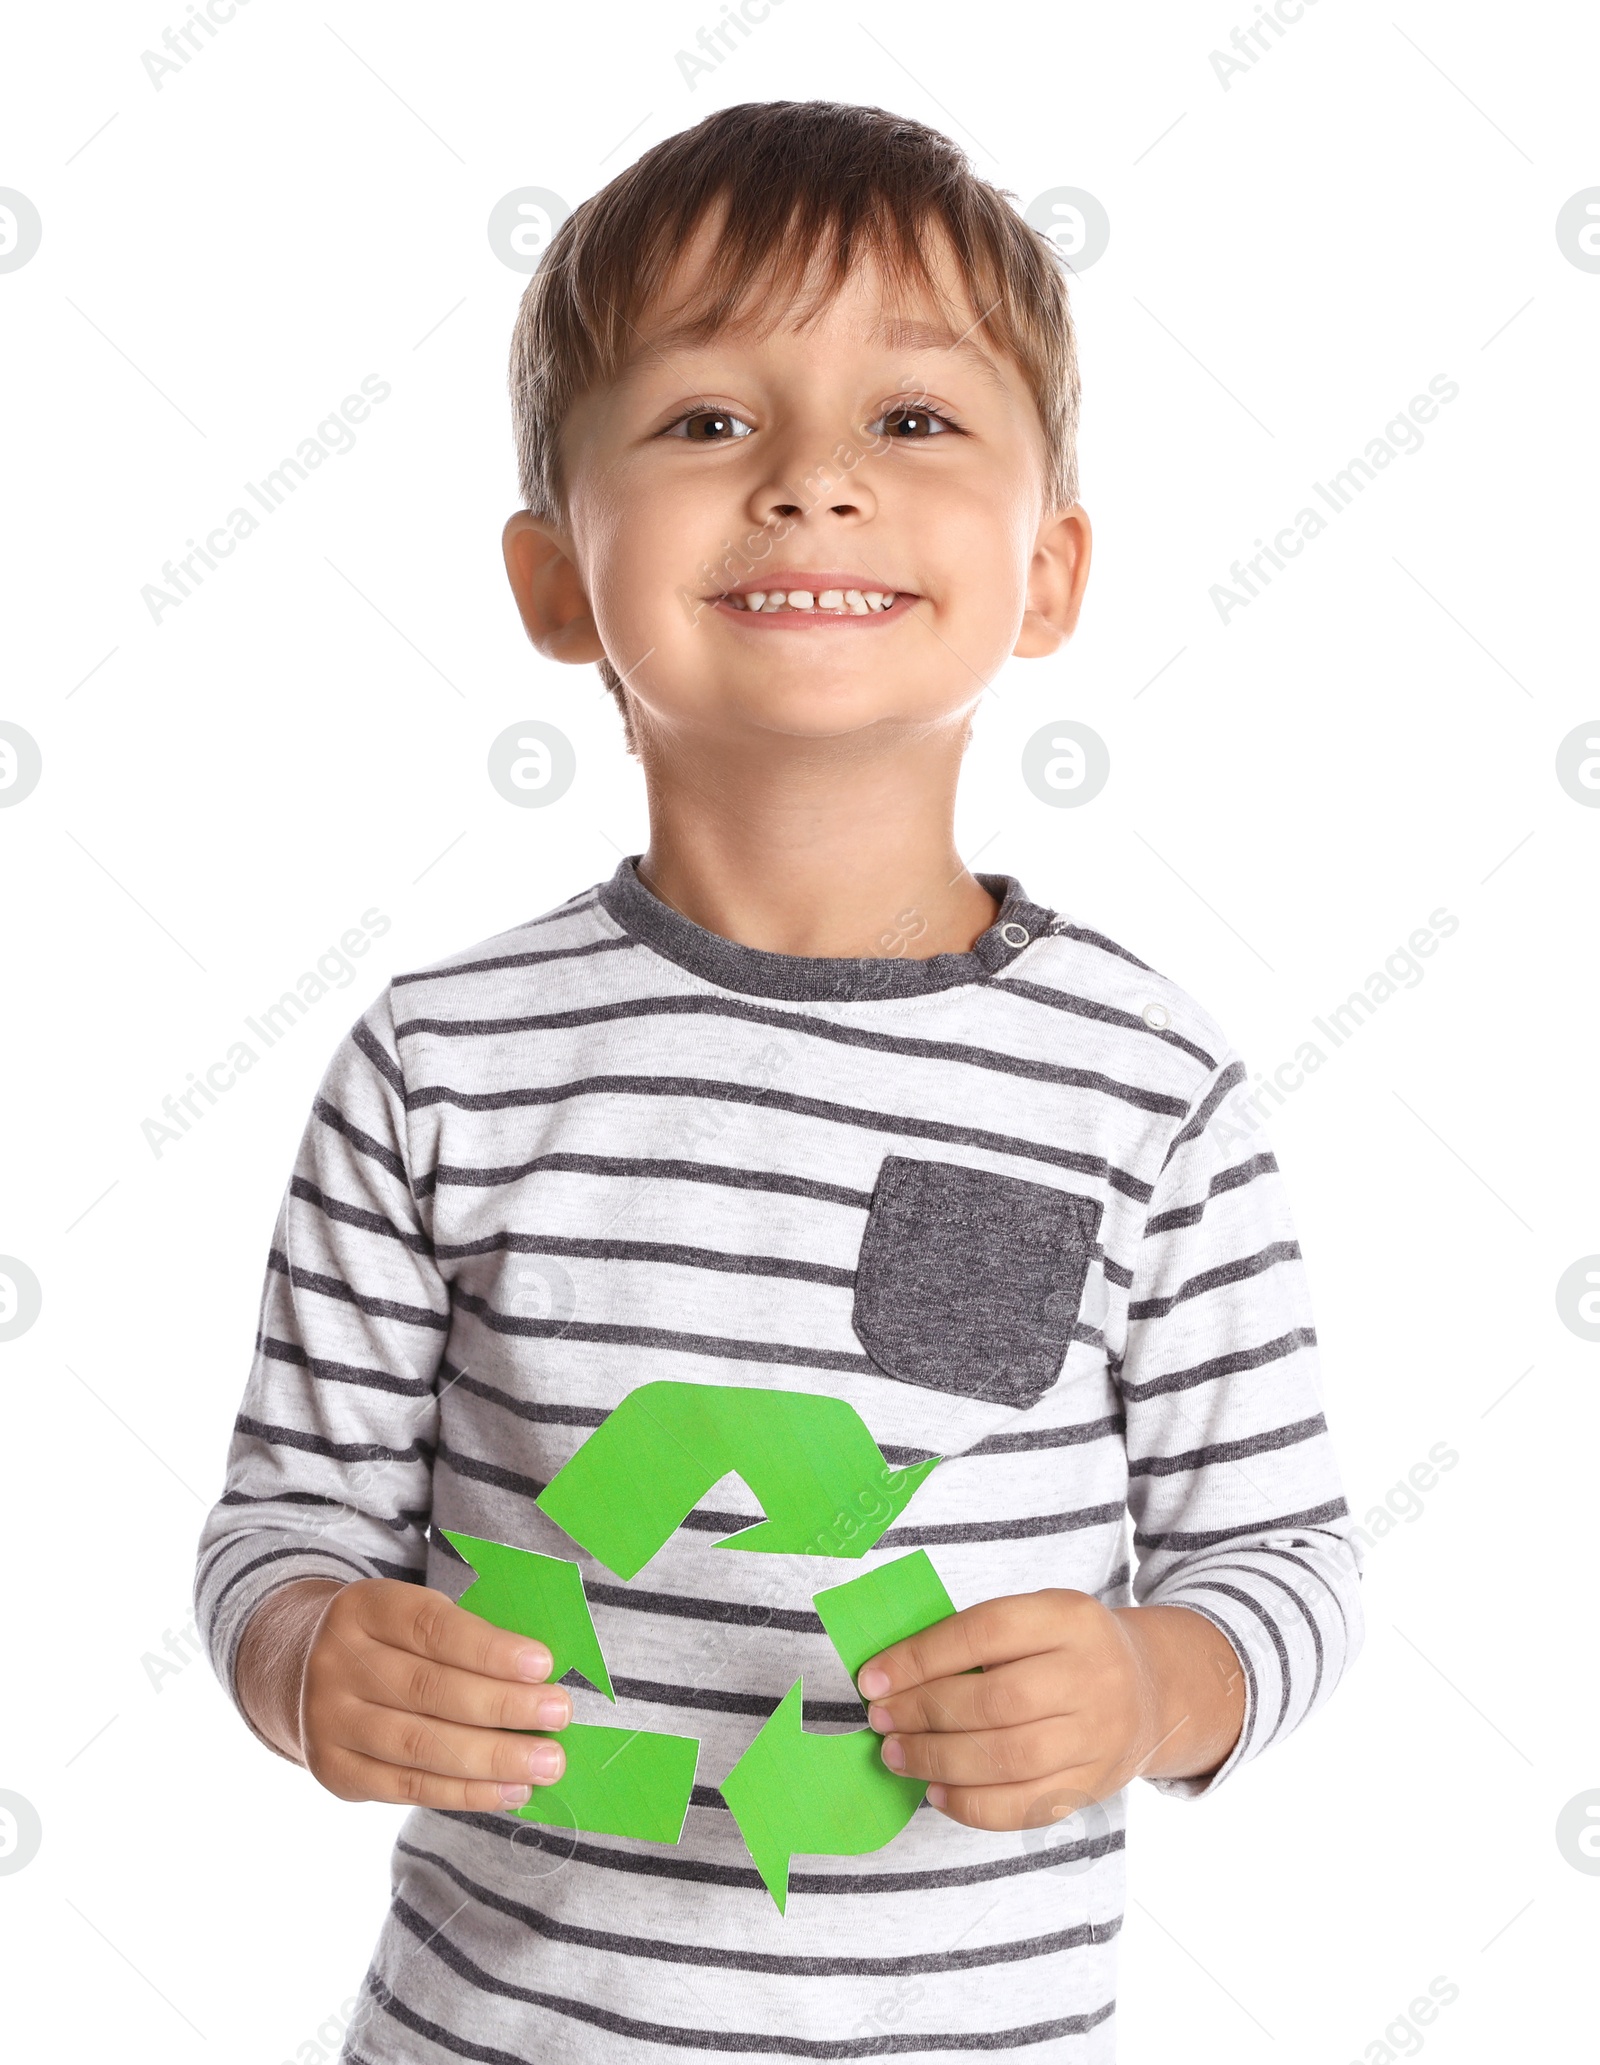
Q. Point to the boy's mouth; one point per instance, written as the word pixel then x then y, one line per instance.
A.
pixel 790 597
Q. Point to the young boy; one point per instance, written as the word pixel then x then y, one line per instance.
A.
pixel 792 1102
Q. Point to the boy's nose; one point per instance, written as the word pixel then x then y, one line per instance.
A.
pixel 792 510
pixel 816 468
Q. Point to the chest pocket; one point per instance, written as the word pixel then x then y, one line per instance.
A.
pixel 969 1281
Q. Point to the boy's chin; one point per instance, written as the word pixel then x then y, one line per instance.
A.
pixel 817 709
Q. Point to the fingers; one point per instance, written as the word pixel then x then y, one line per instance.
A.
pixel 990 1757
pixel 994 1632
pixel 1004 1696
pixel 375 1673
pixel 355 1776
pixel 425 1623
pixel 1028 1804
pixel 446 1750
pixel 406 1697
pixel 403 1646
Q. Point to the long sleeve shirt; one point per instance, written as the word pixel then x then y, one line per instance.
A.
pixel 988 1198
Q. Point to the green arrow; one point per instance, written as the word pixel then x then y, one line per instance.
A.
pixel 833 1795
pixel 535 1595
pixel 882 1606
pixel 830 1795
pixel 820 1478
pixel 618 1782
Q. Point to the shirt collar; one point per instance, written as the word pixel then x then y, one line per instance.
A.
pixel 805 978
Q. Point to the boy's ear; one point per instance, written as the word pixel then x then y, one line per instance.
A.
pixel 554 609
pixel 1056 579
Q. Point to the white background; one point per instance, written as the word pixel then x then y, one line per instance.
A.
pixel 1292 257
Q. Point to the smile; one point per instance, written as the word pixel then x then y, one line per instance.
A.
pixel 795 599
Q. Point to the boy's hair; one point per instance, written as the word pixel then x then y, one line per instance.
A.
pixel 802 180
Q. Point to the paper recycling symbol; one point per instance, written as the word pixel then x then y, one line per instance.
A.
pixel 815 1470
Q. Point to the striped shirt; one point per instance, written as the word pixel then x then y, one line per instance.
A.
pixel 608 1147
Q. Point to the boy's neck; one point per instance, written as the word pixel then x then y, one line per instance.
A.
pixel 817 859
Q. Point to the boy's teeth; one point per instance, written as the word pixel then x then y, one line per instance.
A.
pixel 856 602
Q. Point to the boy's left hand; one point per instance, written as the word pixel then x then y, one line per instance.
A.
pixel 1073 1698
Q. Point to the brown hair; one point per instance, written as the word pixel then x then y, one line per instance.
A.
pixel 800 179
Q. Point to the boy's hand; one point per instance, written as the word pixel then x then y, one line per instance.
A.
pixel 398 1694
pixel 1072 1700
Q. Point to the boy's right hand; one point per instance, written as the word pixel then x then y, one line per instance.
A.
pixel 390 1691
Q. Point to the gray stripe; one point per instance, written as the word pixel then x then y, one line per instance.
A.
pixel 714 1090
pixel 1207 1584
pixel 358 1215
pixel 1335 1509
pixel 715 1957
pixel 1226 1083
pixel 1236 1642
pixel 216 1598
pixel 704 1520
pixel 1035 1438
pixel 666 1339
pixel 1025 1529
pixel 399 1523
pixel 534 958
pixel 676 1253
pixel 364 1144
pixel 1271 1577
pixel 904 1045
pixel 320 1445
pixel 438 1941
pixel 634 1166
pixel 656 1864
pixel 704 1699
pixel 1311 1570
pixel 274 1350
pixel 376 1308
pixel 1225 1365
pixel 1229 1451
pixel 534 1410
pixel 1106 1014
pixel 1215 1279
pixel 380 1057
pixel 1225 1180
pixel 554 1414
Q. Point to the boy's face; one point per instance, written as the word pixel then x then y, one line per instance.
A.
pixel 875 451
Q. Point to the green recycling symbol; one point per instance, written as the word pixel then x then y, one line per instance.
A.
pixel 826 1490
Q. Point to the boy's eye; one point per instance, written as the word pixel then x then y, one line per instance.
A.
pixel 709 427
pixel 908 425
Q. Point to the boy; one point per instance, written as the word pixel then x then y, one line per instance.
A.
pixel 792 1101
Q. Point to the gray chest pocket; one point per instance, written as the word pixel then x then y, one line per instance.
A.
pixel 969 1281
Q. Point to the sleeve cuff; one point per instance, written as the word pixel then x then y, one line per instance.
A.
pixel 1195 1788
pixel 225 1624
